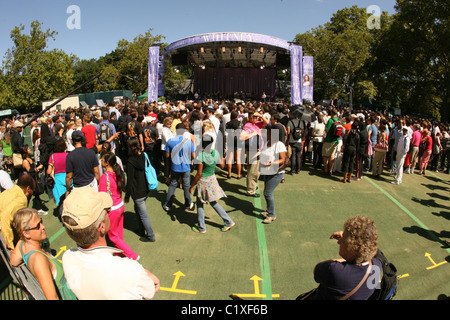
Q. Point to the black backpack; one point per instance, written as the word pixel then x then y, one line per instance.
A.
pixel 389 281
pixel 297 132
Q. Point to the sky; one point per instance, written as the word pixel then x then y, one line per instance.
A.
pixel 103 23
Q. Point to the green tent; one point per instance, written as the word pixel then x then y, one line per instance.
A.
pixel 144 96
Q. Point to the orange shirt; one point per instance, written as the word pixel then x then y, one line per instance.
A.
pixel 348 127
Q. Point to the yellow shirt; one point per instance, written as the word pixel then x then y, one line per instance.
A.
pixel 11 200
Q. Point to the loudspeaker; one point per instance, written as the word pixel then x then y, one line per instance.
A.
pixel 180 59
pixel 283 61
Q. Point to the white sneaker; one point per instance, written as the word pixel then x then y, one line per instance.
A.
pixel 42 212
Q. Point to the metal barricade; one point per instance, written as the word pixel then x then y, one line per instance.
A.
pixel 21 276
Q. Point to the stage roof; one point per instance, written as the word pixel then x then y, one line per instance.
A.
pixel 230 49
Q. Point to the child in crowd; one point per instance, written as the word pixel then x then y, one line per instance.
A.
pixel 112 182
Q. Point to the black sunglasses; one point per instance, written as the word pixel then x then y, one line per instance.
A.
pixel 35 228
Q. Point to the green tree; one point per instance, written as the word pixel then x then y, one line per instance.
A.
pixel 30 72
pixel 83 70
pixel 412 58
pixel 133 67
pixel 125 68
pixel 341 49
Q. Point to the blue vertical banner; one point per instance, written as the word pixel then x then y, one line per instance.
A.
pixel 153 74
pixel 307 80
pixel 296 74
pixel 161 77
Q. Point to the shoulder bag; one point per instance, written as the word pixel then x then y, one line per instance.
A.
pixel 348 295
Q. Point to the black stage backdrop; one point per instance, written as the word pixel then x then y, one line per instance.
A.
pixel 228 81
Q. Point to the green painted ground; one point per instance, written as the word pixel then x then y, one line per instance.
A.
pixel 254 261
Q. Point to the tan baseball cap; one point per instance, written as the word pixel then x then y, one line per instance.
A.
pixel 85 205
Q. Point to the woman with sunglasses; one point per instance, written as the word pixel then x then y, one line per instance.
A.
pixel 46 268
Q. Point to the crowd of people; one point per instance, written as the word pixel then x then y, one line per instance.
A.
pixel 80 154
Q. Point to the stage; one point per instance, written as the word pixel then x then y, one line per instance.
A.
pixel 233 65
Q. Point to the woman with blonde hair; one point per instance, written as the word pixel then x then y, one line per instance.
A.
pixel 70 128
pixel 46 268
pixel 208 128
pixel 78 124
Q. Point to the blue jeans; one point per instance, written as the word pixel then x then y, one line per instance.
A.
pixel 270 183
pixel 219 209
pixel 186 181
pixel 144 221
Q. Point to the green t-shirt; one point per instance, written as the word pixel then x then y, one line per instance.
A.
pixel 209 161
pixel 7 149
pixel 327 128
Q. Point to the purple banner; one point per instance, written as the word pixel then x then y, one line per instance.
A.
pixel 153 74
pixel 228 36
pixel 296 72
pixel 161 77
pixel 308 76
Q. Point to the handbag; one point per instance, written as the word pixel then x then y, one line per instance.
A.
pixel 150 174
pixel 382 144
pixel 17 160
pixel 40 189
pixel 310 295
pixel 51 177
pixel 50 182
pixel 369 149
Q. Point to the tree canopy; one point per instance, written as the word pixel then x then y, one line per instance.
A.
pixel 402 64
pixel 30 72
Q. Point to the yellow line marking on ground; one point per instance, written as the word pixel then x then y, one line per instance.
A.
pixel 178 275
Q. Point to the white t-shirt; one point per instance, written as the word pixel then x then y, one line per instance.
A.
pixel 70 146
pixel 166 135
pixel 215 122
pixel 97 274
pixel 271 154
pixel 5 180
pixel 318 132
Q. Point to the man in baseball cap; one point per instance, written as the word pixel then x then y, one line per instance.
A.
pixel 93 270
pixel 84 206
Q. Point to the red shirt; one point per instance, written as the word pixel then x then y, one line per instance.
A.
pixel 428 143
pixel 89 133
